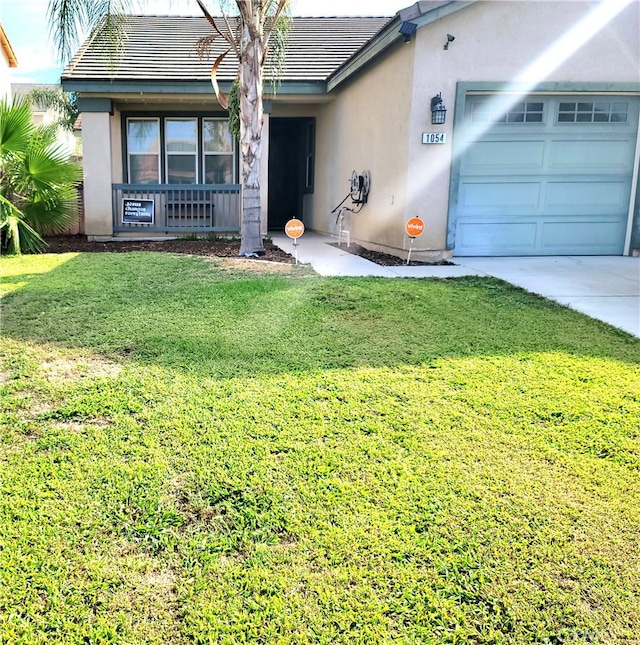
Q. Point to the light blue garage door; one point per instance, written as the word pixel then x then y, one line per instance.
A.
pixel 551 176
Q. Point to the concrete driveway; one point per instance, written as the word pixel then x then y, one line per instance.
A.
pixel 606 288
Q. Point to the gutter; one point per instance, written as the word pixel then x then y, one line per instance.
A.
pixel 106 87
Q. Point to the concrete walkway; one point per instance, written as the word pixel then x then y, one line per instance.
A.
pixel 606 288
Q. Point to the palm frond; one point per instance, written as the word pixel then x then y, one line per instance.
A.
pixel 16 234
pixel 277 16
pixel 68 21
pixel 54 216
pixel 104 21
pixel 277 49
pixel 203 45
pixel 48 165
pixel 37 184
pixel 15 127
pixel 43 136
pixel 222 99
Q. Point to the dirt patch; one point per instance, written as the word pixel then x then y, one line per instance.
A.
pixel 257 266
pixel 64 369
pixel 386 260
pixel 217 248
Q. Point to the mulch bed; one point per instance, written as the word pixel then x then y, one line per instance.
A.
pixel 386 260
pixel 223 249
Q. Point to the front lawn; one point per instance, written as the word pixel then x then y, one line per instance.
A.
pixel 192 453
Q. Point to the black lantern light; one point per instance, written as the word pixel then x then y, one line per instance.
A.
pixel 438 110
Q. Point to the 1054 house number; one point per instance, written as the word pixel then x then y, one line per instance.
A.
pixel 434 137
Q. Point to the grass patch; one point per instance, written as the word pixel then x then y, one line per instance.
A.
pixel 192 454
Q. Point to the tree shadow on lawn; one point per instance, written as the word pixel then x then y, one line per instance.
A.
pixel 184 314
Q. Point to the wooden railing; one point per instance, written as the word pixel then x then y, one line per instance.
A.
pixel 176 208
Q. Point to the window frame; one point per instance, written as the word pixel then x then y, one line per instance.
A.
pixel 127 153
pixel 592 112
pixel 233 154
pixel 161 118
pixel 168 153
pixel 504 117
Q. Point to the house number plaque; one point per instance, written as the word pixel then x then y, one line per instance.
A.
pixel 434 137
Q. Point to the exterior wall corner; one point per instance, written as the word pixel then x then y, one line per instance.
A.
pixel 97 169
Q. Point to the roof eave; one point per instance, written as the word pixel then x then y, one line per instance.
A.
pixel 106 87
pixel 7 49
pixel 390 34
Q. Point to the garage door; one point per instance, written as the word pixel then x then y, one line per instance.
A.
pixel 551 176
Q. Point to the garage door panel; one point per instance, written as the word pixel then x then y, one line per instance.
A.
pixel 496 237
pixel 510 156
pixel 589 155
pixel 581 197
pixel 496 196
pixel 597 236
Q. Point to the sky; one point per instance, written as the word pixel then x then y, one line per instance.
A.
pixel 26 24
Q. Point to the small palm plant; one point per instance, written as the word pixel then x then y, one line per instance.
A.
pixel 37 182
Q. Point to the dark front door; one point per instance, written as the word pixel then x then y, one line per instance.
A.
pixel 288 175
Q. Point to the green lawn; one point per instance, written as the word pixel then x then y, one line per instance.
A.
pixel 194 454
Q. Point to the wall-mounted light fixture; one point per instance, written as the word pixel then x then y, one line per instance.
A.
pixel 438 110
pixel 407 29
pixel 450 39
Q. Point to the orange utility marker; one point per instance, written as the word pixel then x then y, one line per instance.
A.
pixel 294 229
pixel 414 227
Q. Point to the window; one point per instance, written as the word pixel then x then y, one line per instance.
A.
pixel 488 111
pixel 219 151
pixel 593 112
pixel 180 150
pixel 143 151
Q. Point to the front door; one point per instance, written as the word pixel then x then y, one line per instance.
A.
pixel 288 169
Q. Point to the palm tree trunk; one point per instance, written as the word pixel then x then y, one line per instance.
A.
pixel 251 118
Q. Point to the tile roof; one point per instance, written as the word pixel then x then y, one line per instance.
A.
pixel 163 48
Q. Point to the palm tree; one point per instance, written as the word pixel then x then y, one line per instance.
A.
pixel 63 104
pixel 261 22
pixel 37 181
pixel 262 25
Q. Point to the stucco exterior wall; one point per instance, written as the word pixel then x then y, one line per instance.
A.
pixel 496 42
pixel 366 128
pixel 5 78
pixel 98 162
pixel 117 162
pixel 7 61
